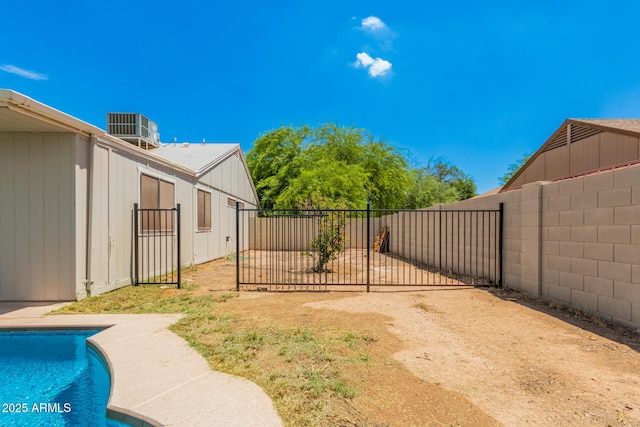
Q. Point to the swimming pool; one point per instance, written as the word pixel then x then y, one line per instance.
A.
pixel 52 378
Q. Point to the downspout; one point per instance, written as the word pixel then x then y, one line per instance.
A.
pixel 88 250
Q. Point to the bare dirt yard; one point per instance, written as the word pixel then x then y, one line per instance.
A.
pixel 458 355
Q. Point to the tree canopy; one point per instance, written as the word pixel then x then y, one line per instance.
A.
pixel 344 167
pixel 438 182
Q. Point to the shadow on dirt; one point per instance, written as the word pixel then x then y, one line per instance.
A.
pixel 586 321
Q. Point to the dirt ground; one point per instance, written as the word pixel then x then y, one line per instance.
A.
pixel 268 268
pixel 469 356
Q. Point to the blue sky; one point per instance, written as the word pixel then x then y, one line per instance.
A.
pixel 477 85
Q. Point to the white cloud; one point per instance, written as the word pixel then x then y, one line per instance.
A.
pixel 363 60
pixel 377 67
pixel 380 67
pixel 373 23
pixel 27 74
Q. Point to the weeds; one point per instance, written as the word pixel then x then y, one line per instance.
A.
pixel 298 368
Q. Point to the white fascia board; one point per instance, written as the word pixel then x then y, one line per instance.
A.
pixel 30 107
pixel 35 109
pixel 220 159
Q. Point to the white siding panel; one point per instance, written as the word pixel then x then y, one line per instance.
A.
pixel 185 196
pixel 82 150
pixel 99 251
pixel 216 177
pixel 36 217
pixel 217 200
pixel 7 230
pixel 67 217
pixel 21 217
pixel 236 177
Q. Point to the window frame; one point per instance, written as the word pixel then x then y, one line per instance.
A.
pixel 206 195
pixel 150 223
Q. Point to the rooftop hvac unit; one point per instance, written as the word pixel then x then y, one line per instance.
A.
pixel 134 128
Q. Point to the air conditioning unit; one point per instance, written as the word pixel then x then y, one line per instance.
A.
pixel 134 128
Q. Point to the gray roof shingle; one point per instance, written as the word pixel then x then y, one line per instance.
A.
pixel 197 157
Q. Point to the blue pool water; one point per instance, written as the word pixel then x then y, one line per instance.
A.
pixel 52 378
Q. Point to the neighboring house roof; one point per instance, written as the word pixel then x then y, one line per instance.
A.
pixel 574 130
pixel 630 125
pixel 489 193
pixel 198 157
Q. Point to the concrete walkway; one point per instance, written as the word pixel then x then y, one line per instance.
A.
pixel 156 377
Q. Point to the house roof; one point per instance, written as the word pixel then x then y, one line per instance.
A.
pixel 583 129
pixel 201 157
pixel 198 157
pixel 19 113
pixel 629 125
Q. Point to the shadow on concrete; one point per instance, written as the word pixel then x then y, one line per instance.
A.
pixel 28 308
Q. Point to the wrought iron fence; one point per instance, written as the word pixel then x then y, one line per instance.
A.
pixel 318 249
pixel 157 245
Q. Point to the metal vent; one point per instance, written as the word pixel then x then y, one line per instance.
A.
pixel 557 142
pixel 134 128
pixel 582 132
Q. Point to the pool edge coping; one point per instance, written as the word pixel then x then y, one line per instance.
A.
pixel 145 397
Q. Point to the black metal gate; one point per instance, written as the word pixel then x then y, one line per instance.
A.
pixel 156 234
pixel 318 249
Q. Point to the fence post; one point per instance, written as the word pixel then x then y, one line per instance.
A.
pixel 135 242
pixel 237 246
pixel 368 244
pixel 178 245
pixel 440 240
pixel 500 236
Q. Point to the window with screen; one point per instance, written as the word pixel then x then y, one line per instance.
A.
pixel 204 210
pixel 155 195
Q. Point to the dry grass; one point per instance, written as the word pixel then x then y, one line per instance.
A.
pixel 320 367
pixel 301 368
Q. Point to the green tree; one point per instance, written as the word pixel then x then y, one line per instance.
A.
pixel 336 165
pixel 513 168
pixel 325 183
pixel 329 241
pixel 438 182
pixel 274 160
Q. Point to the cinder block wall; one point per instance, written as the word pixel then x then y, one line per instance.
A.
pixel 576 241
pixel 591 243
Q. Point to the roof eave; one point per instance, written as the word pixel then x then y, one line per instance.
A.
pixel 236 148
pixel 30 107
pixel 581 122
pixel 507 185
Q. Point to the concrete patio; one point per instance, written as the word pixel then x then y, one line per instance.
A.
pixel 157 379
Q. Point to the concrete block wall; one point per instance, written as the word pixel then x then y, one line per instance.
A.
pixel 512 239
pixel 576 241
pixel 592 245
pixel 455 241
pixel 296 233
